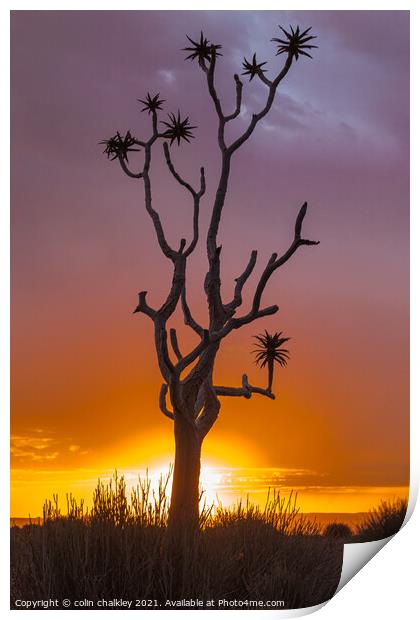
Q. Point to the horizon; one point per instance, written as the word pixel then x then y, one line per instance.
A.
pixel 225 485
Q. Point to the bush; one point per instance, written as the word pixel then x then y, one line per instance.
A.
pixel 382 521
pixel 338 530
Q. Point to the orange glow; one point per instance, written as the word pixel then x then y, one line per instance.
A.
pixel 224 484
pixel 231 470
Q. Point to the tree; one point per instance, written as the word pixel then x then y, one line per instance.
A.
pixel 269 351
pixel 194 398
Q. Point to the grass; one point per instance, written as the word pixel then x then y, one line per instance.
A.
pixel 382 521
pixel 116 549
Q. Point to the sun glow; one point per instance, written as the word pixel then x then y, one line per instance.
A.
pixel 231 470
pixel 212 475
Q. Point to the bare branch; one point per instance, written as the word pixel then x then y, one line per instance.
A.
pixel 139 142
pixel 188 319
pixel 218 207
pixel 161 344
pixel 162 315
pixel 271 94
pixel 240 282
pixel 165 247
pixel 213 295
pixel 197 195
pixel 194 354
pixel 170 165
pixel 174 343
pixel 178 283
pixel 210 409
pixel 196 214
pixel 299 220
pixel 264 79
pixel 213 94
pixel 272 265
pixel 236 323
pixel 212 284
pixel 133 175
pixel 144 307
pixel 154 123
pixel 237 111
pixel 199 402
pixel 162 402
pixel 246 390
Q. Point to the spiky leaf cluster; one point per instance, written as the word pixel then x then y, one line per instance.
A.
pixel 296 42
pixel 119 146
pixel 151 104
pixel 269 349
pixel 252 68
pixel 201 50
pixel 178 129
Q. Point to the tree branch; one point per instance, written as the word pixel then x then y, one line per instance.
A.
pixel 174 343
pixel 246 390
pixel 162 402
pixel 240 282
pixel 264 79
pixel 197 195
pixel 178 283
pixel 213 94
pixel 271 94
pixel 161 344
pixel 144 307
pixel 273 264
pixel 127 171
pixel 194 354
pixel 216 309
pixel 188 319
pixel 165 247
pixel 174 173
pixel 237 111
pixel 210 410
pixel 212 284
pixel 161 316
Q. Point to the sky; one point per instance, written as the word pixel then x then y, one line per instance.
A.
pixel 84 377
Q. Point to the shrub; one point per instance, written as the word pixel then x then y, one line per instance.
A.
pixel 337 530
pixel 382 521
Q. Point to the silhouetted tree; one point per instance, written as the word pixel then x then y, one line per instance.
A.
pixel 194 398
pixel 269 351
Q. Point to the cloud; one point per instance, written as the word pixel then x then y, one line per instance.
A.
pixel 37 447
pixel 34 448
pixel 167 76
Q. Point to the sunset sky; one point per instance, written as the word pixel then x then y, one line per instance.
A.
pixel 84 376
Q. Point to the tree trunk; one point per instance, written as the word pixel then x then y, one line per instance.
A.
pixel 184 508
pixel 270 375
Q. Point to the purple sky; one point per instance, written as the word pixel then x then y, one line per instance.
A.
pixel 83 247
